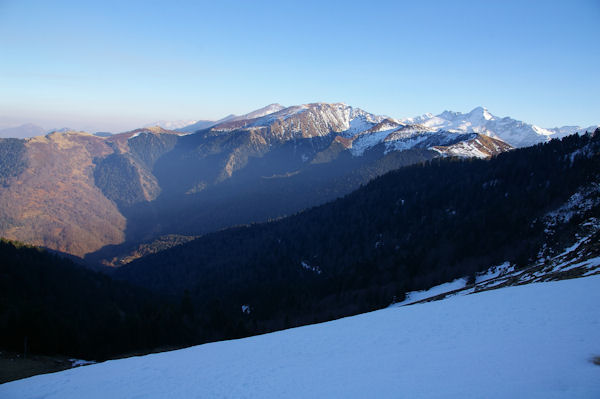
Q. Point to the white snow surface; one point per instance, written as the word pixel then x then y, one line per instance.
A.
pixel 366 141
pixel 416 296
pixel 531 341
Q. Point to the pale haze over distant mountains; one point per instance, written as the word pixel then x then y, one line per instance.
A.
pixel 28 130
pixel 23 131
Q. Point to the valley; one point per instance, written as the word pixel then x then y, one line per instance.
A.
pixel 299 200
pixel 99 198
pixel 449 220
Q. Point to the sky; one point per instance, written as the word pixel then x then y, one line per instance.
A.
pixel 118 65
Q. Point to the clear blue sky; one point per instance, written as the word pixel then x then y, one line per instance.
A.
pixel 115 65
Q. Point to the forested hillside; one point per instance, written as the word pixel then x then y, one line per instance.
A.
pixel 410 229
pixel 52 306
pixel 12 162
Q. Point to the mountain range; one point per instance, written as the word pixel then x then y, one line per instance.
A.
pixel 478 120
pixel 106 197
pixel 22 131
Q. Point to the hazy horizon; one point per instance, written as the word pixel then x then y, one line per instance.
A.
pixel 87 126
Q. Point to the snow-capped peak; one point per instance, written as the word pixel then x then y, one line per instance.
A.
pixel 480 113
pixel 480 120
pixel 309 120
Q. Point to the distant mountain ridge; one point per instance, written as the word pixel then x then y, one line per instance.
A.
pixel 205 124
pixel 357 129
pixel 480 120
pixel 22 131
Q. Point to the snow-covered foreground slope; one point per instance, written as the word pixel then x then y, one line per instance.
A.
pixel 533 341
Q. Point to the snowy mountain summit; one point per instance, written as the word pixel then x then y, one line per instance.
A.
pixel 358 130
pixel 480 120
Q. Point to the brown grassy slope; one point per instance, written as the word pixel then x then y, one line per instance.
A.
pixel 54 203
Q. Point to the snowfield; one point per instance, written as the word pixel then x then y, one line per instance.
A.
pixel 531 341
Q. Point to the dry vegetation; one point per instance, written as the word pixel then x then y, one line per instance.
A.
pixel 55 201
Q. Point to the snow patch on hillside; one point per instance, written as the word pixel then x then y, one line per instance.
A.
pixel 306 266
pixel 464 149
pixel 416 296
pixel 366 141
pixel 582 201
pixel 137 134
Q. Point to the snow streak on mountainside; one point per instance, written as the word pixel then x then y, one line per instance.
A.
pixel 534 341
